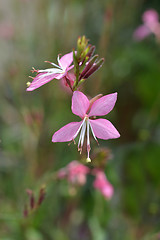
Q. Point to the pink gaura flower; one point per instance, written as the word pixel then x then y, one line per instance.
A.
pixel 74 172
pixel 102 184
pixel 58 72
pixel 86 110
pixel 150 25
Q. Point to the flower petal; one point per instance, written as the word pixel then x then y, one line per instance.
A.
pixel 66 60
pixel 150 17
pixel 80 104
pixel 141 32
pixel 63 74
pixel 41 79
pixel 66 133
pixel 104 129
pixel 60 76
pixel 103 105
pixel 101 183
pixel 107 191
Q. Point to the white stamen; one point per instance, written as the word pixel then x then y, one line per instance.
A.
pixel 88 140
pixel 46 74
pixel 42 78
pixel 56 65
pixel 51 70
pixel 83 134
pixel 93 132
pixel 59 62
pixel 80 139
pixel 78 129
pixel 85 124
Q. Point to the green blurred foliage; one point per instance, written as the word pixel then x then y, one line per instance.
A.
pixel 34 31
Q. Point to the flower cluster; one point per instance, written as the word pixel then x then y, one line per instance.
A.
pixel 74 68
pixel 151 25
pixel 76 174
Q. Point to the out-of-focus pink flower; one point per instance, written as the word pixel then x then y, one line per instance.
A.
pixel 58 72
pixel 102 184
pixel 85 109
pixel 150 18
pixel 74 172
pixel 150 25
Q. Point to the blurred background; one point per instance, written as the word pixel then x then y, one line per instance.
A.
pixel 34 31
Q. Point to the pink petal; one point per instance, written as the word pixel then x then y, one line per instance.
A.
pixel 141 32
pixel 108 191
pixel 60 75
pixel 101 183
pixel 66 133
pixel 69 68
pixel 103 105
pixel 66 60
pixel 71 77
pixel 74 172
pixel 104 129
pixel 77 172
pixel 41 79
pixel 150 17
pixel 80 104
pixel 75 168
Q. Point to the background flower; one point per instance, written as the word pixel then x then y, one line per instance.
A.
pixel 102 184
pixel 151 25
pixel 74 172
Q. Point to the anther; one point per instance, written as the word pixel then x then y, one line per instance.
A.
pixel 28 84
pixel 88 160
